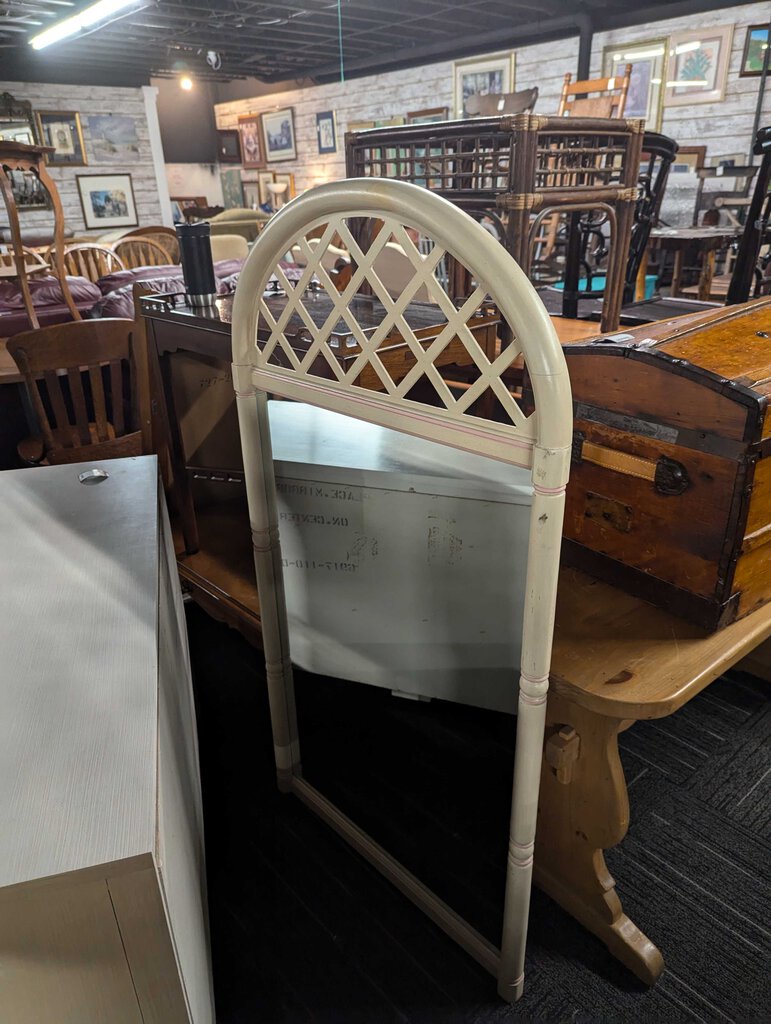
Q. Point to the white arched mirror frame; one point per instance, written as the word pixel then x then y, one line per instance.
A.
pixel 541 442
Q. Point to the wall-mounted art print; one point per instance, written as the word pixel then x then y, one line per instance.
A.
pixel 232 188
pixel 107 201
pixel 359 126
pixel 646 92
pixel 427 116
pixel 689 159
pixel 697 66
pixel 113 138
pixel 264 178
pixel 252 145
pixel 278 134
pixel 491 74
pixel 62 130
pixel 755 46
pixel 326 131
pixel 229 146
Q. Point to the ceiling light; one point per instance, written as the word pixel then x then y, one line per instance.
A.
pixel 688 83
pixel 687 47
pixel 642 54
pixel 85 19
pixel 186 83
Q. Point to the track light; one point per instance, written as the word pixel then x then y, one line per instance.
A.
pixel 77 23
pixel 186 83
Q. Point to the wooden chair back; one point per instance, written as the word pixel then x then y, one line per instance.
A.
pixel 499 104
pixel 91 260
pixel 82 386
pixel 163 236
pixel 610 100
pixel 32 258
pixel 363 388
pixel 142 252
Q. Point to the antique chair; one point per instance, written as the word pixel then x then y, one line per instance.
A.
pixel 142 252
pixel 161 235
pixel 540 441
pixel 35 263
pixel 492 104
pixel 82 381
pixel 229 247
pixel 611 101
pixel 91 260
pixel 747 277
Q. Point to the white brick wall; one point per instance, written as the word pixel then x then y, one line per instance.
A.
pixel 89 101
pixel 724 128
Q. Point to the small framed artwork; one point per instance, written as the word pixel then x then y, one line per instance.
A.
pixel 648 60
pixel 427 116
pixel 62 130
pixel 251 194
pixel 491 74
pixel 229 146
pixel 689 159
pixel 107 200
pixel 252 149
pixel 278 134
pixel 360 126
pixel 697 66
pixel 113 138
pixel 28 191
pixel 264 178
pixel 326 131
pixel 232 188
pixel 281 178
pixel 389 122
pixel 755 46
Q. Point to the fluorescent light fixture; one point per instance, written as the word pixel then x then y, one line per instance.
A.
pixel 85 19
pixel 686 84
pixel 642 54
pixel 687 47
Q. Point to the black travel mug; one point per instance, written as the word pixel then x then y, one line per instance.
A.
pixel 197 266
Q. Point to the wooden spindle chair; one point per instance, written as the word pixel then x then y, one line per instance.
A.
pixel 91 260
pixel 609 99
pixel 142 252
pixel 540 441
pixel 165 237
pixel 500 104
pixel 33 260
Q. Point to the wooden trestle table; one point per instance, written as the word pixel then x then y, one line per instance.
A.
pixel 616 660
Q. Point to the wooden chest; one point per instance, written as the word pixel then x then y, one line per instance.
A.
pixel 670 488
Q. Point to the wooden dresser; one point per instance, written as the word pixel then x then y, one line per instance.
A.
pixel 102 898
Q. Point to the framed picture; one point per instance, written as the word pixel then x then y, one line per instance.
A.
pixel 251 194
pixel 229 145
pixel 232 188
pixel 28 192
pixel 113 139
pixel 62 130
pixel 264 178
pixel 278 134
pixel 284 177
pixel 389 122
pixel 252 151
pixel 697 66
pixel 755 46
pixel 491 74
pixel 427 116
pixel 646 93
pixel 326 132
pixel 360 126
pixel 107 200
pixel 689 159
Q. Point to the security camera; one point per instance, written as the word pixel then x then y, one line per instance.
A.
pixel 214 60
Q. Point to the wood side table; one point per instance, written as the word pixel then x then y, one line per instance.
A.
pixel 706 240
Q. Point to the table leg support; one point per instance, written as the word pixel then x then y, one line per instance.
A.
pixel 584 810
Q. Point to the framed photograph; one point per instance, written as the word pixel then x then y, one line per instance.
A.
pixel 107 200
pixel 229 145
pixel 689 159
pixel 491 74
pixel 278 134
pixel 264 178
pixel 232 188
pixel 326 131
pixel 427 116
pixel 252 150
pixel 697 66
pixel 755 46
pixel 62 130
pixel 28 192
pixel 113 139
pixel 646 92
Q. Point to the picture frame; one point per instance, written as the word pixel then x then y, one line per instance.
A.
pixel 107 201
pixel 62 130
pixel 389 122
pixel 648 58
pixel 427 116
pixel 251 194
pixel 278 134
pixel 264 178
pixel 326 131
pixel 697 66
pixel 229 145
pixel 285 176
pixel 232 188
pixel 359 126
pixel 491 73
pixel 252 145
pixel 689 159
pixel 113 138
pixel 752 58
pixel 28 191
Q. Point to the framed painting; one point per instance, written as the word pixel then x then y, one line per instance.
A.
pixel 326 132
pixel 264 178
pixel 278 135
pixel 252 149
pixel 285 178
pixel 113 138
pixel 427 116
pixel 229 145
pixel 689 159
pixel 755 46
pixel 389 122
pixel 62 130
pixel 491 74
pixel 360 126
pixel 697 66
pixel 646 93
pixel 232 188
pixel 107 201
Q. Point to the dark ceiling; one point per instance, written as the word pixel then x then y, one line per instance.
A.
pixel 297 39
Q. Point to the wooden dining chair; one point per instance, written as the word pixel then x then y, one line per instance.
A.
pixel 164 236
pixel 91 260
pixel 498 104
pixel 33 260
pixel 540 441
pixel 142 252
pixel 82 381
pixel 608 97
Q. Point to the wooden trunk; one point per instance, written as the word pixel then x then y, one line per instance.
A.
pixel 670 487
